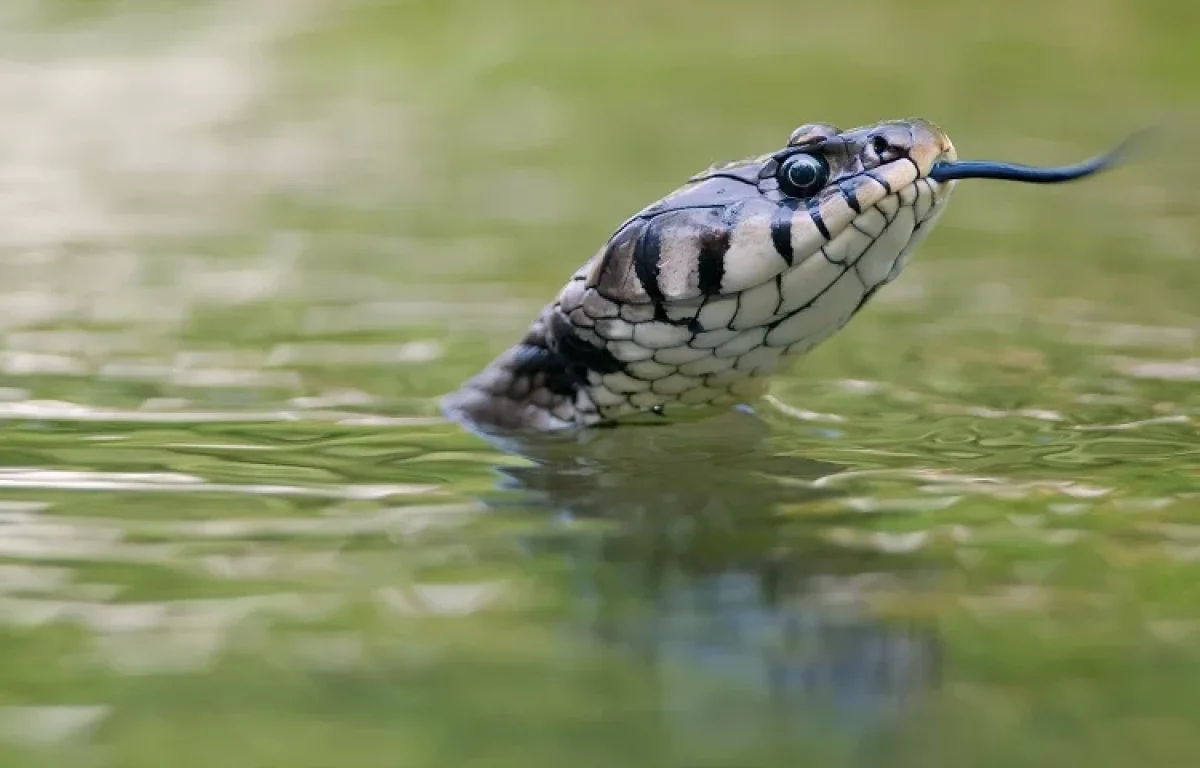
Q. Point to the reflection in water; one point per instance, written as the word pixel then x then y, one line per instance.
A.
pixel 682 553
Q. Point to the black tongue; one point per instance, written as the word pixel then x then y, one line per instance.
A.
pixel 987 169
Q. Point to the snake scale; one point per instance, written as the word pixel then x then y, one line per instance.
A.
pixel 698 298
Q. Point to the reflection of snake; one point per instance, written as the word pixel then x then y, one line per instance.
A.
pixel 720 583
pixel 697 298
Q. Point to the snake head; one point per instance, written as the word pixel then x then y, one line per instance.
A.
pixel 857 199
pixel 699 296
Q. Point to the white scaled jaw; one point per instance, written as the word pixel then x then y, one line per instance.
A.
pixel 825 290
pixel 738 339
pixel 876 245
pixel 907 216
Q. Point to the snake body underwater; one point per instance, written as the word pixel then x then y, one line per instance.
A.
pixel 698 298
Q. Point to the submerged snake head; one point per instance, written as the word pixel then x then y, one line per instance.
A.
pixel 697 298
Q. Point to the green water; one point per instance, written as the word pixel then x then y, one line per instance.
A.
pixel 245 246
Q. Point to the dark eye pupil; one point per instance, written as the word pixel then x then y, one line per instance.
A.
pixel 803 174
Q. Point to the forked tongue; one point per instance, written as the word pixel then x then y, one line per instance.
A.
pixel 988 169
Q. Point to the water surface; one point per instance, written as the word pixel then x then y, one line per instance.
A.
pixel 246 245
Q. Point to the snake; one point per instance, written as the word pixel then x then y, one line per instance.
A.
pixel 695 301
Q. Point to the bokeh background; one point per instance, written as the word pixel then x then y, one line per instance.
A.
pixel 245 244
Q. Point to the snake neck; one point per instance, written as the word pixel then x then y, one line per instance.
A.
pixel 537 384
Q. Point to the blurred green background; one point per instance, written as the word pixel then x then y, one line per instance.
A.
pixel 246 244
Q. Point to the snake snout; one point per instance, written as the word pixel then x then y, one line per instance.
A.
pixel 918 141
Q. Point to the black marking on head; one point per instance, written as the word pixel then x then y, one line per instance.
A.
pixel 578 354
pixel 781 230
pixel 531 361
pixel 749 175
pixel 771 326
pixel 694 325
pixel 660 208
pixel 882 182
pixel 610 277
pixel 850 196
pixel 866 297
pixel 661 316
pixel 710 265
pixel 646 256
pixel 916 167
pixel 814 212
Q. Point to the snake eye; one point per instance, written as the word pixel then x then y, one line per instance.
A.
pixel 802 174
